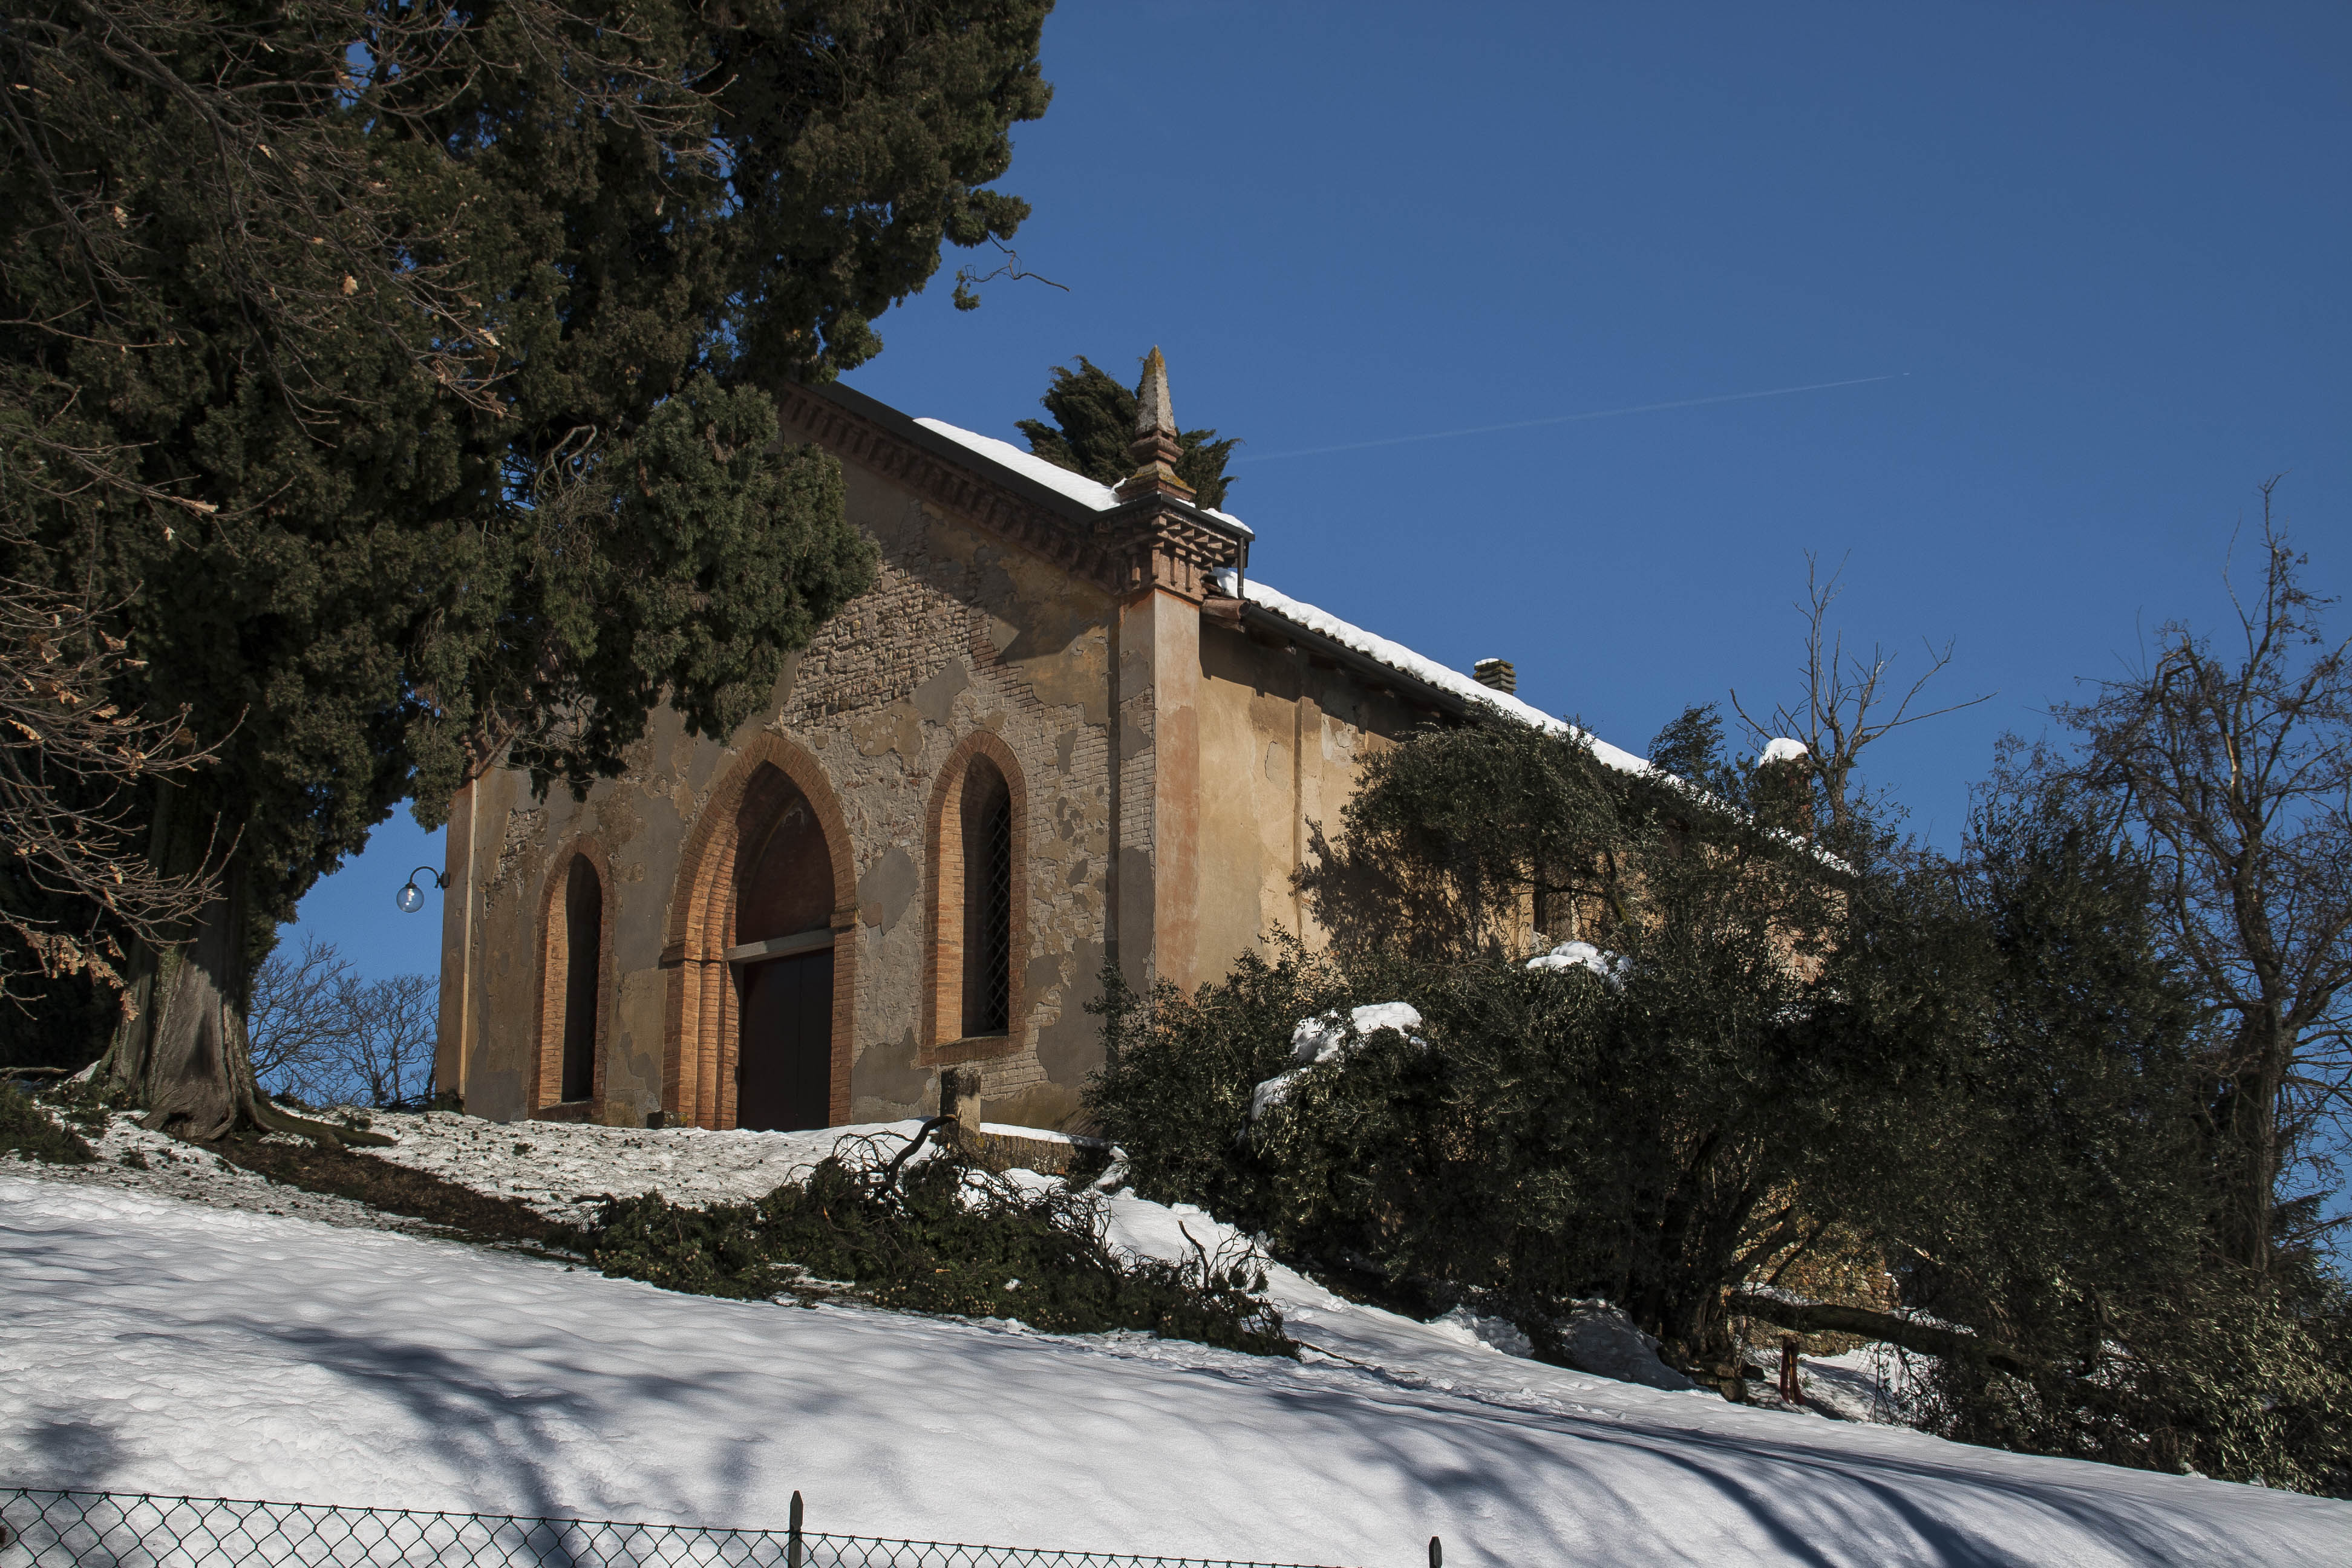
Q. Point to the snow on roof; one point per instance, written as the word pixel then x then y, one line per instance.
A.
pixel 1028 465
pixel 1379 649
pixel 1053 476
pixel 1396 656
pixel 1428 671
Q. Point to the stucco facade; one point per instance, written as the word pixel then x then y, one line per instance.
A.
pixel 1075 660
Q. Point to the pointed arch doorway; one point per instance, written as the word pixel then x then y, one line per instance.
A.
pixel 783 964
pixel 760 993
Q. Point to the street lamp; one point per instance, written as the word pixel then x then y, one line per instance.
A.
pixel 411 897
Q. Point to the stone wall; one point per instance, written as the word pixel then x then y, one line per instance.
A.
pixel 1167 768
pixel 961 633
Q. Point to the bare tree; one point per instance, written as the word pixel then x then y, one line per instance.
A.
pixel 296 1022
pixel 2233 766
pixel 390 1046
pixel 321 1036
pixel 1846 703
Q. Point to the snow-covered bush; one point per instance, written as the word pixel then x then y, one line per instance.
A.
pixel 1973 1075
pixel 1332 1038
pixel 1532 1136
pixel 1611 967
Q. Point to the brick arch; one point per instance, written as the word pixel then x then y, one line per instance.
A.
pixel 700 1025
pixel 943 908
pixel 555 958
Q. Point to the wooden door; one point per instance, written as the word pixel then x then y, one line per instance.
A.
pixel 784 1072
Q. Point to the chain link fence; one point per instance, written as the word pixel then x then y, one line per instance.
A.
pixel 119 1529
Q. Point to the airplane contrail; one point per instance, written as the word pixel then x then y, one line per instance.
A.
pixel 1566 418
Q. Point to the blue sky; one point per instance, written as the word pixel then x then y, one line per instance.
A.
pixel 2098 250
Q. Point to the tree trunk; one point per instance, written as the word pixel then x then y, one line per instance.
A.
pixel 185 1056
pixel 2247 1121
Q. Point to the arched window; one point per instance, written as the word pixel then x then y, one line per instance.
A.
pixel 977 845
pixel 584 944
pixel 572 984
pixel 986 812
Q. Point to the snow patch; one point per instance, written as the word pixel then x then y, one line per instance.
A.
pixel 1873 1382
pixel 1428 671
pixel 1598 1337
pixel 1329 1038
pixel 1053 476
pixel 1499 1334
pixel 1782 750
pixel 159 1346
pixel 559 1169
pixel 1612 967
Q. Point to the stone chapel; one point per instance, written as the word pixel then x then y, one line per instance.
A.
pixel 1065 728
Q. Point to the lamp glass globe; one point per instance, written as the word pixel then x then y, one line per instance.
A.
pixel 410 898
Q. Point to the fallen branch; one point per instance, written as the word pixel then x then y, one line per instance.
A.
pixel 1927 1338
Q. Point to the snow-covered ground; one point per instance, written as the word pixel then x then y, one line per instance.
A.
pixel 155 1344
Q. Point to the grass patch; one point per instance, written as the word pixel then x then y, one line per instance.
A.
pixel 396 1189
pixel 30 1129
pixel 944 1237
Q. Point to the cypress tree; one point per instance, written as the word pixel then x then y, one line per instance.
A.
pixel 406 380
pixel 1093 421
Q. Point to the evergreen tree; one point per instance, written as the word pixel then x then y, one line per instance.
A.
pixel 1094 423
pixel 1690 747
pixel 2042 1178
pixel 403 376
pixel 1983 1076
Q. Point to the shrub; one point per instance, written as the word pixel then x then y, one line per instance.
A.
pixel 28 1129
pixel 1545 1135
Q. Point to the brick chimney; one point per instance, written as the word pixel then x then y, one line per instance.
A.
pixel 1496 673
pixel 1154 448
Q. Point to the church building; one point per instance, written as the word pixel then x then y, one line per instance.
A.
pixel 1064 729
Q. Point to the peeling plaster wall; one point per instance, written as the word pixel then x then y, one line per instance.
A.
pixel 961 632
pixel 1284 736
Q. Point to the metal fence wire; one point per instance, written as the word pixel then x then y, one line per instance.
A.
pixel 121 1529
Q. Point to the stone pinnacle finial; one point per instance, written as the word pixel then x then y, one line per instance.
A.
pixel 1154 448
pixel 1154 415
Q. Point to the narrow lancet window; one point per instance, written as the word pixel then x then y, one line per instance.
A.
pixel 583 937
pixel 987 901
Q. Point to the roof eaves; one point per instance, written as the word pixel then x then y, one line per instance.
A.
pixel 1378 671
pixel 903 427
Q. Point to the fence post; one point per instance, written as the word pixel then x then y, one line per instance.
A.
pixel 1789 1388
pixel 793 1541
pixel 1436 1552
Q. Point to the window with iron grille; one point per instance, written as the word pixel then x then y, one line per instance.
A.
pixel 987 901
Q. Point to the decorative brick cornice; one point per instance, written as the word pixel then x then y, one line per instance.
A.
pixel 1170 545
pixel 1152 541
